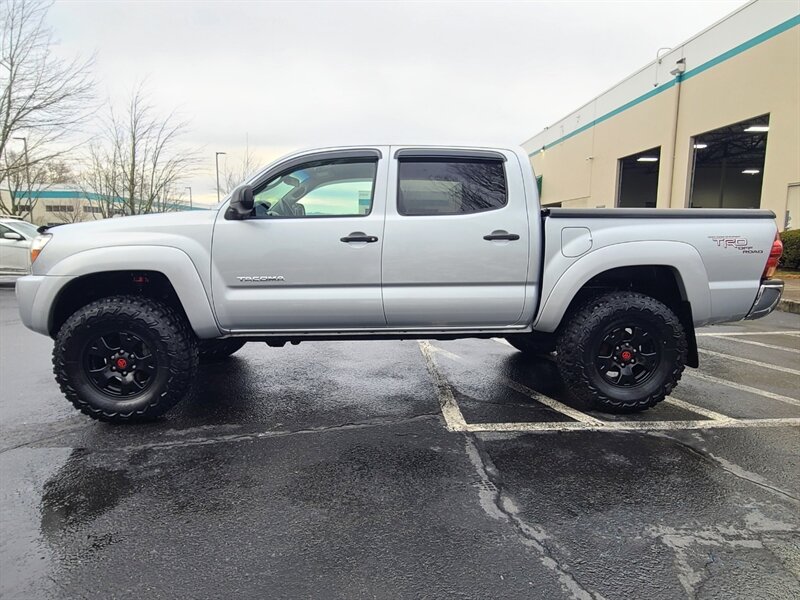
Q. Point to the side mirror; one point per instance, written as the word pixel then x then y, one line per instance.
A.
pixel 242 203
pixel 13 235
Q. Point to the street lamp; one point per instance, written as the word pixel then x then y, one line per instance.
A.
pixel 188 187
pixel 27 170
pixel 216 160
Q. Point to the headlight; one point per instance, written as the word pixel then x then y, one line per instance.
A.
pixel 38 244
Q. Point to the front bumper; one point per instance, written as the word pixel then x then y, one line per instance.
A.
pixel 36 296
pixel 769 294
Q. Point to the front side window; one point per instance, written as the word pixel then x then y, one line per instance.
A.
pixel 329 188
pixel 450 186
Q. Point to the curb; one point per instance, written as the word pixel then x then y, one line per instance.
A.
pixel 790 306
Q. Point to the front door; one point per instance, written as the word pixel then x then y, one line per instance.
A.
pixel 14 253
pixel 309 258
pixel 456 244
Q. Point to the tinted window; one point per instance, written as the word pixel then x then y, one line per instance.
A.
pixel 447 186
pixel 336 188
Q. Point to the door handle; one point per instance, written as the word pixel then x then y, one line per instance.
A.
pixel 359 238
pixel 512 237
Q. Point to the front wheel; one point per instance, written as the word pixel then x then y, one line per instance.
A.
pixel 622 352
pixel 125 358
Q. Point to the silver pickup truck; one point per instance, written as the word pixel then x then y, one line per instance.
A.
pixel 393 242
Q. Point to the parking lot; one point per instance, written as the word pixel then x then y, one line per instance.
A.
pixel 405 469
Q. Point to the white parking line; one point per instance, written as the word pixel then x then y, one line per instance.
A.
pixel 633 425
pixel 748 361
pixel 742 387
pixel 533 394
pixel 454 419
pixel 549 402
pixel 450 410
pixel 738 333
pixel 763 345
pixel 711 414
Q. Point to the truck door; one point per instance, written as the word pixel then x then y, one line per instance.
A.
pixel 14 253
pixel 456 241
pixel 309 257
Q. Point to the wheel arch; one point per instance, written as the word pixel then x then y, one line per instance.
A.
pixel 163 273
pixel 671 272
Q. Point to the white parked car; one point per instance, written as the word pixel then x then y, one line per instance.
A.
pixel 16 236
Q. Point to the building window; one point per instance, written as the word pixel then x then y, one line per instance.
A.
pixel 728 165
pixel 450 186
pixel 93 209
pixel 637 183
pixel 59 208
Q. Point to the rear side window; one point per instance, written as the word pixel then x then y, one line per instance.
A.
pixel 450 186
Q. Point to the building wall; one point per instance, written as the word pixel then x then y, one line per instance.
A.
pixel 760 73
pixel 82 208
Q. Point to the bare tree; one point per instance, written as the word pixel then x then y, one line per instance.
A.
pixel 242 170
pixel 74 214
pixel 44 98
pixel 136 165
pixel 25 187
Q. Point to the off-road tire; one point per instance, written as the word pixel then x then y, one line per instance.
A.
pixel 583 332
pixel 212 351
pixel 172 343
pixel 530 344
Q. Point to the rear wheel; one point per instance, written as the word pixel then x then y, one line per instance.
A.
pixel 622 352
pixel 125 358
pixel 212 351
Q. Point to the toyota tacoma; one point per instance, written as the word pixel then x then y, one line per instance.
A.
pixel 393 242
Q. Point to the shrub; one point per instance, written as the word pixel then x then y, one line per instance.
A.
pixel 791 249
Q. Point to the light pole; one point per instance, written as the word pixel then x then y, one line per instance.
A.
pixel 27 171
pixel 216 160
pixel 188 187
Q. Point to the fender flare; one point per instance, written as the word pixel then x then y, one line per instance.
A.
pixel 172 262
pixel 679 256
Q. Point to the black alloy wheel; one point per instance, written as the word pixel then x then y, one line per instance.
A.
pixel 628 355
pixel 621 351
pixel 119 364
pixel 126 358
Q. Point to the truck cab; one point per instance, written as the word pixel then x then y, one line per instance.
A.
pixel 393 238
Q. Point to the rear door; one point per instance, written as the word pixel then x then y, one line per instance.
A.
pixel 456 239
pixel 309 257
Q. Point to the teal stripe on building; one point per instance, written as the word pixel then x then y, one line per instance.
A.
pixel 759 39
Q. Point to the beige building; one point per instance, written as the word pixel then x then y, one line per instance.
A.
pixel 714 122
pixel 65 203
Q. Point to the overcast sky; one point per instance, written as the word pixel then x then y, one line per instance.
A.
pixel 301 74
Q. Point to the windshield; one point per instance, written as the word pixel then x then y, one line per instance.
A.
pixel 25 228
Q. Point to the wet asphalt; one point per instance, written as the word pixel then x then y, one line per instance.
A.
pixel 326 470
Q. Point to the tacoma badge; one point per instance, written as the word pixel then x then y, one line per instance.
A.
pixel 260 278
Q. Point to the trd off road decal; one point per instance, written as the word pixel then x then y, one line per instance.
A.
pixel 734 242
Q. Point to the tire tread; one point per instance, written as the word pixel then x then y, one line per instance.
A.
pixel 170 326
pixel 577 333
